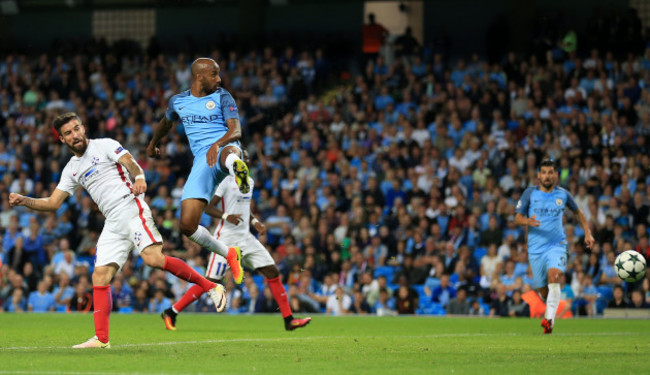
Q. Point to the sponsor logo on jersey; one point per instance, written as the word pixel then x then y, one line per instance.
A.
pixel 210 105
pixel 196 119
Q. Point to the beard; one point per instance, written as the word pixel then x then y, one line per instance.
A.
pixel 547 184
pixel 79 147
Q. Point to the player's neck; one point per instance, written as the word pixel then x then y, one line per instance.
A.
pixel 198 92
pixel 545 190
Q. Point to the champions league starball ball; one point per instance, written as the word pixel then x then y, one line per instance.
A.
pixel 630 266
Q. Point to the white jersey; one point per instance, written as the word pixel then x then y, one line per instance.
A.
pixel 234 202
pixel 99 172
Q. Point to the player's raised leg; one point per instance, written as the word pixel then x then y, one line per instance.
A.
pixel 272 275
pixel 191 211
pixel 103 302
pixel 230 159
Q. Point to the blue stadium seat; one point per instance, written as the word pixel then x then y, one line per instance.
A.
pixel 420 289
pixel 259 281
pixel 126 310
pixel 434 309
pixel 386 271
pixel 606 292
pixel 479 253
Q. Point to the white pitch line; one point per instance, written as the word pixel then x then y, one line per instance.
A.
pixel 275 339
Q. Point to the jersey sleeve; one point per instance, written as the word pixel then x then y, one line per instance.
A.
pixel 113 149
pixel 571 202
pixel 171 114
pixel 228 106
pixel 524 202
pixel 67 183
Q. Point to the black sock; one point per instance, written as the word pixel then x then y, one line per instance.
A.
pixel 288 319
pixel 170 312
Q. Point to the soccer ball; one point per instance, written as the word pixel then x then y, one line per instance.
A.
pixel 630 266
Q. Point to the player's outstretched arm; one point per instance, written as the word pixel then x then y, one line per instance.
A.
pixel 589 238
pixel 140 184
pixel 51 203
pixel 163 128
pixel 526 221
pixel 233 134
pixel 212 210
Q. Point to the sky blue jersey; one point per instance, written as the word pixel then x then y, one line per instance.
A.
pixel 549 210
pixel 204 118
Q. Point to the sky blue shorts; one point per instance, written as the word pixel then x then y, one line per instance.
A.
pixel 555 257
pixel 203 180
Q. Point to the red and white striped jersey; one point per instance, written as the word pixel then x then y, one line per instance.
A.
pixel 99 172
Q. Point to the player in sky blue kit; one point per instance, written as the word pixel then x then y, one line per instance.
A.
pixel 541 209
pixel 211 120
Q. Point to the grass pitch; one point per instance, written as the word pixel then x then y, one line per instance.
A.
pixel 223 344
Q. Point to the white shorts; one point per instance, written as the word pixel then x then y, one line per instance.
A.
pixel 253 255
pixel 133 229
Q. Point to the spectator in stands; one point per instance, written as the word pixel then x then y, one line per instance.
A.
pixel 338 303
pixel 459 305
pixel 638 300
pixel 41 300
pixel 619 301
pixel 500 303
pixel 444 292
pixel 385 305
pixel 517 307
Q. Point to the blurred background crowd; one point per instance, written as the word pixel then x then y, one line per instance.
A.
pixel 388 188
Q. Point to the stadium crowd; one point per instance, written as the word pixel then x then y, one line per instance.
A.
pixel 389 193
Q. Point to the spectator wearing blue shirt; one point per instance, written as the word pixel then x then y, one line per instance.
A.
pixel 444 292
pixel 383 99
pixel 63 292
pixel 16 303
pixel 159 302
pixel 41 300
pixel 508 279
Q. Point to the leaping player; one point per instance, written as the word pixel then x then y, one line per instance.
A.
pixel 541 209
pixel 234 229
pixel 210 117
pixel 98 165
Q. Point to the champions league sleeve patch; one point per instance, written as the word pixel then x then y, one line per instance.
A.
pixel 233 109
pixel 119 149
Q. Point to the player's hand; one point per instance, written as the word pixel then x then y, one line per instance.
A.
pixel 234 219
pixel 532 222
pixel 153 151
pixel 139 187
pixel 16 200
pixel 212 154
pixel 589 240
pixel 260 228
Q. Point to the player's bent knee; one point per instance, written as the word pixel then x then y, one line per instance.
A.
pixel 153 257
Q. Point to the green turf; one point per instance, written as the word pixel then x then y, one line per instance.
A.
pixel 222 344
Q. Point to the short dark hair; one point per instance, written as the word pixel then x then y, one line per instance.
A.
pixel 547 163
pixel 63 119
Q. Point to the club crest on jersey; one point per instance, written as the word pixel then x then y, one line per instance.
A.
pixel 210 105
pixel 95 160
pixel 138 237
pixel 558 202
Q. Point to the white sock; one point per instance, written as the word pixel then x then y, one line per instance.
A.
pixel 174 310
pixel 230 160
pixel 553 301
pixel 203 237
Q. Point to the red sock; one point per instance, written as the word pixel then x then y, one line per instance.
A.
pixel 103 301
pixel 280 295
pixel 190 296
pixel 181 270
